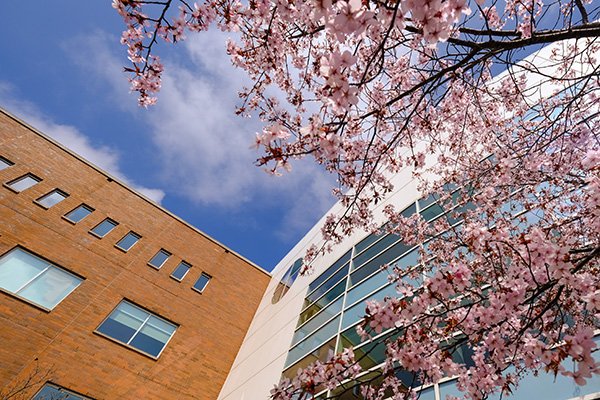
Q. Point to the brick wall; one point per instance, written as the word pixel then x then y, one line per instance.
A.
pixel 62 343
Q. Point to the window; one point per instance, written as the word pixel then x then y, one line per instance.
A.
pixel 53 392
pixel 34 279
pixel 127 242
pixel 52 198
pixel 159 259
pixel 181 270
pixel 201 283
pixel 24 182
pixel 79 213
pixel 4 163
pixel 137 328
pixel 104 227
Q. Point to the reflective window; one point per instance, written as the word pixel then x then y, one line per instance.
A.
pixel 201 283
pixel 287 280
pixel 127 242
pixel 377 248
pixel 138 328
pixel 180 272
pixel 52 198
pixel 79 213
pixel 318 320
pixel 313 341
pixel 53 392
pixel 319 354
pixel 104 227
pixel 4 163
pixel 330 271
pixel 24 182
pixel 337 277
pixel 35 279
pixel 355 313
pixel 432 212
pixel 375 264
pixel 159 258
pixel 322 302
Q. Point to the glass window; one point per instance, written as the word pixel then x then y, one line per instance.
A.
pixel 380 246
pixel 375 264
pixel 313 341
pixel 24 182
pixel 321 303
pixel 287 280
pixel 104 227
pixel 319 319
pixel 330 271
pixel 355 313
pixel 159 258
pixel 35 279
pixel 52 198
pixel 181 270
pixel 201 283
pixel 4 163
pixel 127 242
pixel 138 328
pixel 337 277
pixel 79 213
pixel 53 392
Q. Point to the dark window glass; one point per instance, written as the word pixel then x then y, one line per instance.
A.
pixel 181 270
pixel 375 264
pixel 137 328
pixel 330 271
pixel 53 392
pixel 201 283
pixel 24 182
pixel 338 276
pixel 321 303
pixel 79 213
pixel 432 212
pixel 377 248
pixel 104 227
pixel 128 241
pixel 159 258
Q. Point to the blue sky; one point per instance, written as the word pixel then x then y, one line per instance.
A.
pixel 61 71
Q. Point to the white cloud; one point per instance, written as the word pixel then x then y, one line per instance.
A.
pixel 104 157
pixel 202 145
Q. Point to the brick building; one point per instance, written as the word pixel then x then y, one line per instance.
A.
pixel 103 293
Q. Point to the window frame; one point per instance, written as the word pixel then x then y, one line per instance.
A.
pixel 130 233
pixel 82 205
pixel 115 223
pixel 186 272
pixel 203 274
pixel 20 178
pixel 5 161
pixel 51 264
pixel 61 388
pixel 39 200
pixel 157 267
pixel 129 346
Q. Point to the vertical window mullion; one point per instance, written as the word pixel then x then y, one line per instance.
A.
pixel 29 282
pixel 139 329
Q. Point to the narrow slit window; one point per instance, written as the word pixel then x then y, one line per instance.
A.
pixel 128 241
pixel 50 199
pixel 201 283
pixel 4 163
pixel 79 213
pixel 159 259
pixel 181 271
pixel 104 227
pixel 23 182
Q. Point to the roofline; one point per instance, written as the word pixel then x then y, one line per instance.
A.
pixel 118 181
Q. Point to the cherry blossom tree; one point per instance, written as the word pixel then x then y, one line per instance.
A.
pixel 494 107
